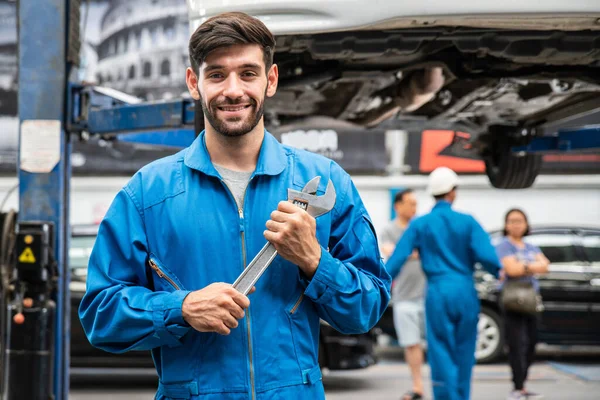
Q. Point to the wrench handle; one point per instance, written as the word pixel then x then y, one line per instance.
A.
pixel 261 262
pixel 255 269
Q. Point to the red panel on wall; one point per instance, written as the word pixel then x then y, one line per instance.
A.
pixel 432 143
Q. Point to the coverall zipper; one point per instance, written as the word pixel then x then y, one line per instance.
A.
pixel 242 236
pixel 161 274
pixel 293 310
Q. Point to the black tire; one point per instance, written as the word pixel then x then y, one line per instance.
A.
pixel 493 353
pixel 507 170
pixel 322 354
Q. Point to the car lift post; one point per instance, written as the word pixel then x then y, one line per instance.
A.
pixel 48 46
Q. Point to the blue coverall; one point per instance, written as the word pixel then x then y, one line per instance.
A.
pixel 176 228
pixel 449 244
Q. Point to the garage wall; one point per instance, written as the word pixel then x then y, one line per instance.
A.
pixel 552 200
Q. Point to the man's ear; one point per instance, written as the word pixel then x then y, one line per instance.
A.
pixel 191 79
pixel 272 80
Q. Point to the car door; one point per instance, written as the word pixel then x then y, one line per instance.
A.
pixel 591 247
pixel 79 253
pixel 565 288
pixel 83 354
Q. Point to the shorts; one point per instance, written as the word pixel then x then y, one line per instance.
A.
pixel 409 322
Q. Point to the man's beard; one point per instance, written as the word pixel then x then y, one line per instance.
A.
pixel 222 126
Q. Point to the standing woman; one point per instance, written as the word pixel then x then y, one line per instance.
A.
pixel 520 261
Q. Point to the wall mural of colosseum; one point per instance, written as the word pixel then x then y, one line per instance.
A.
pixel 138 47
pixel 141 47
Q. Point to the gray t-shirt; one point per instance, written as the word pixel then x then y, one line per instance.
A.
pixel 410 283
pixel 236 181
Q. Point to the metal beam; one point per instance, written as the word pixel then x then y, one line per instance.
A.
pixel 130 118
pixel 179 138
pixel 96 112
pixel 568 140
pixel 44 169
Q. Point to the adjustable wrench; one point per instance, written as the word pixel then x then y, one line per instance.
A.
pixel 308 201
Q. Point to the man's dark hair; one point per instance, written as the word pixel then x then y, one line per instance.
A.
pixel 517 210
pixel 439 197
pixel 399 197
pixel 229 29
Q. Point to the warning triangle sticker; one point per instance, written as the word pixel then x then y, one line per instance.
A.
pixel 27 256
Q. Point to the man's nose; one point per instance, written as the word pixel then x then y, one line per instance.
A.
pixel 233 87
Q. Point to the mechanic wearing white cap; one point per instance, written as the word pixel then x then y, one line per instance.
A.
pixel 449 243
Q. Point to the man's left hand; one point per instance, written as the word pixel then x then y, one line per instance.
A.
pixel 293 233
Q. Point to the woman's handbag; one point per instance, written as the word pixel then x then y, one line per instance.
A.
pixel 520 296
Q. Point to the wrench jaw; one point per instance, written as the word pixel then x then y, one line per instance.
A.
pixel 317 205
pixel 312 185
pixel 325 203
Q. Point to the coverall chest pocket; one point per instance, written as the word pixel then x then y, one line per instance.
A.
pixel 163 278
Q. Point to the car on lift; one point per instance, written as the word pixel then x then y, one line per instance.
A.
pixel 336 351
pixel 570 292
pixel 504 73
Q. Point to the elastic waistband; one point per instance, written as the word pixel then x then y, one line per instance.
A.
pixel 450 278
pixel 183 390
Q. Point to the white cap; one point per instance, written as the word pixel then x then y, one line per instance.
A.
pixel 441 181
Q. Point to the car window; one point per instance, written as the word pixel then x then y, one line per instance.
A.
pixel 557 247
pixel 591 247
pixel 79 254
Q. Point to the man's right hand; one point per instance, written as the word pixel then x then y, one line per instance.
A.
pixel 216 308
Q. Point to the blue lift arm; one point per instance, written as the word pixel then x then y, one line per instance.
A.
pixel 99 113
pixel 580 139
pixel 166 123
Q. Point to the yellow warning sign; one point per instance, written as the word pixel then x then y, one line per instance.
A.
pixel 27 256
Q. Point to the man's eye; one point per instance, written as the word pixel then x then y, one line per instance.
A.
pixel 248 73
pixel 215 76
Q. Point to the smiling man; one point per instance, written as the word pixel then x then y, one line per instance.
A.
pixel 184 227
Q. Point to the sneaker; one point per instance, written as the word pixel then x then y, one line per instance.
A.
pixel 533 396
pixel 516 395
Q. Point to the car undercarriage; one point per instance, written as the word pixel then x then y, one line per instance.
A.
pixel 502 87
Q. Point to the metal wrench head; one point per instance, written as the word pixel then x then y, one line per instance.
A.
pixel 312 185
pixel 316 205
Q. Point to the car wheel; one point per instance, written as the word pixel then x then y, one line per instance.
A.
pixel 507 170
pixel 490 340
pixel 322 354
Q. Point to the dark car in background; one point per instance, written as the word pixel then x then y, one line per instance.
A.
pixel 336 350
pixel 570 290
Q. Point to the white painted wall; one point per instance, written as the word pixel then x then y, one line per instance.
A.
pixel 556 200
pixel 90 196
pixel 552 200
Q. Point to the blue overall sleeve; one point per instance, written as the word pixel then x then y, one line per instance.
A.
pixel 403 250
pixel 119 312
pixel 350 288
pixel 483 250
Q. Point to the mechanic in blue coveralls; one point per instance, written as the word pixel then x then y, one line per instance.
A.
pixel 184 227
pixel 449 243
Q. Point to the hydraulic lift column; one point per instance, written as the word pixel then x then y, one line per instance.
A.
pixel 48 45
pixel 30 316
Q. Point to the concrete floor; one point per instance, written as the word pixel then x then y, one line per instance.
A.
pixel 570 378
